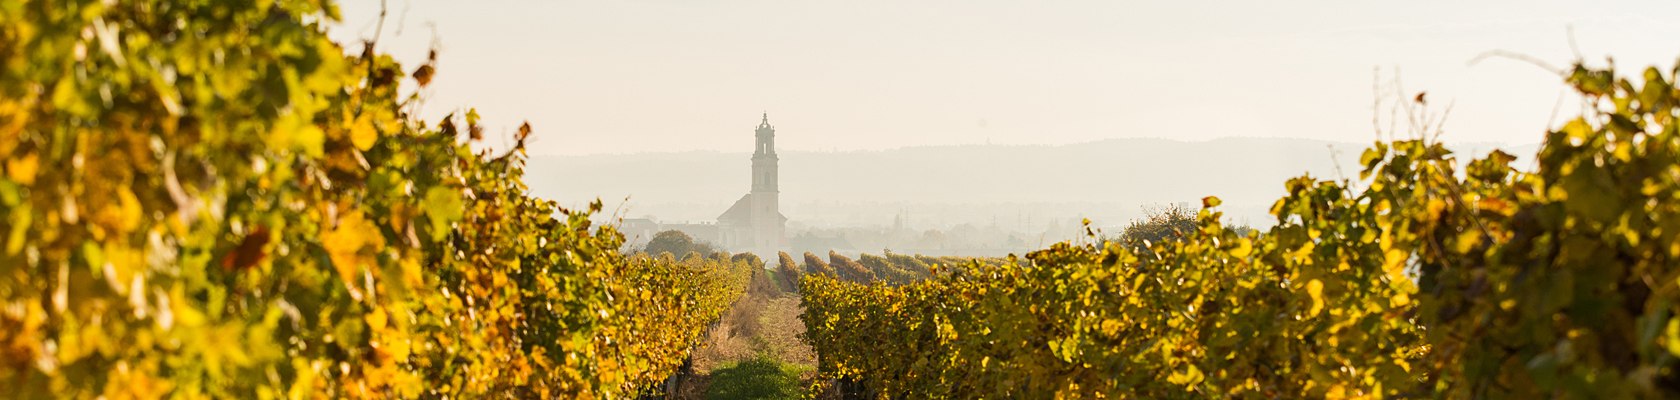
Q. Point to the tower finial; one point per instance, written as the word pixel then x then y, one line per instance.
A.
pixel 766 117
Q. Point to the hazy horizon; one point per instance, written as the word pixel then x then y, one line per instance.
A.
pixel 1108 181
pixel 748 151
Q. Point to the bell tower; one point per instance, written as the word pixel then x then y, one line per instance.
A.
pixel 767 221
pixel 755 223
pixel 764 158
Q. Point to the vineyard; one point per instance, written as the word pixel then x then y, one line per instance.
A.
pixel 215 200
pixel 1427 277
pixel 210 199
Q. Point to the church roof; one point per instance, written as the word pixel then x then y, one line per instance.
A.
pixel 741 212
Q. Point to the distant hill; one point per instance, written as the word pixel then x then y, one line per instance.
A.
pixel 1107 180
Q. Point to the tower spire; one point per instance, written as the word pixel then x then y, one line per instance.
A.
pixel 764 156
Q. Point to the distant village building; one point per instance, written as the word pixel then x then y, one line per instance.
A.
pixel 755 223
pixel 638 230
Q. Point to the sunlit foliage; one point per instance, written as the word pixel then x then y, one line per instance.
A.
pixel 210 199
pixel 1422 279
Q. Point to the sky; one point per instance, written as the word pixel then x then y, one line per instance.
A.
pixel 604 77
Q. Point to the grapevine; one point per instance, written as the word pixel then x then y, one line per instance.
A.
pixel 211 199
pixel 1429 277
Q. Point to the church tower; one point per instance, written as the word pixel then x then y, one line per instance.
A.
pixel 755 223
pixel 768 223
pixel 764 158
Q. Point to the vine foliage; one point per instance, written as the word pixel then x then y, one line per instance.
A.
pixel 1427 277
pixel 211 199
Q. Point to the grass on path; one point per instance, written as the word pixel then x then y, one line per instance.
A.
pixel 757 378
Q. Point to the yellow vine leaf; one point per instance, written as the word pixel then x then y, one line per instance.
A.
pixel 1315 289
pixel 1189 376
pixel 1671 336
pixel 344 245
pixel 376 319
pixel 362 133
pixel 1243 249
pixel 22 169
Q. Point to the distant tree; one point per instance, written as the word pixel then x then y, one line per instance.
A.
pixel 1160 224
pixel 1014 242
pixel 676 243
pixel 932 239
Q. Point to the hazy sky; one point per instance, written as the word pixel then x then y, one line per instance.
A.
pixel 630 76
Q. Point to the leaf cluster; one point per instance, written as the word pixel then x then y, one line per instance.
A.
pixel 211 199
pixel 1429 277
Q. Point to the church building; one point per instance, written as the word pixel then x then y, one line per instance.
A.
pixel 755 223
